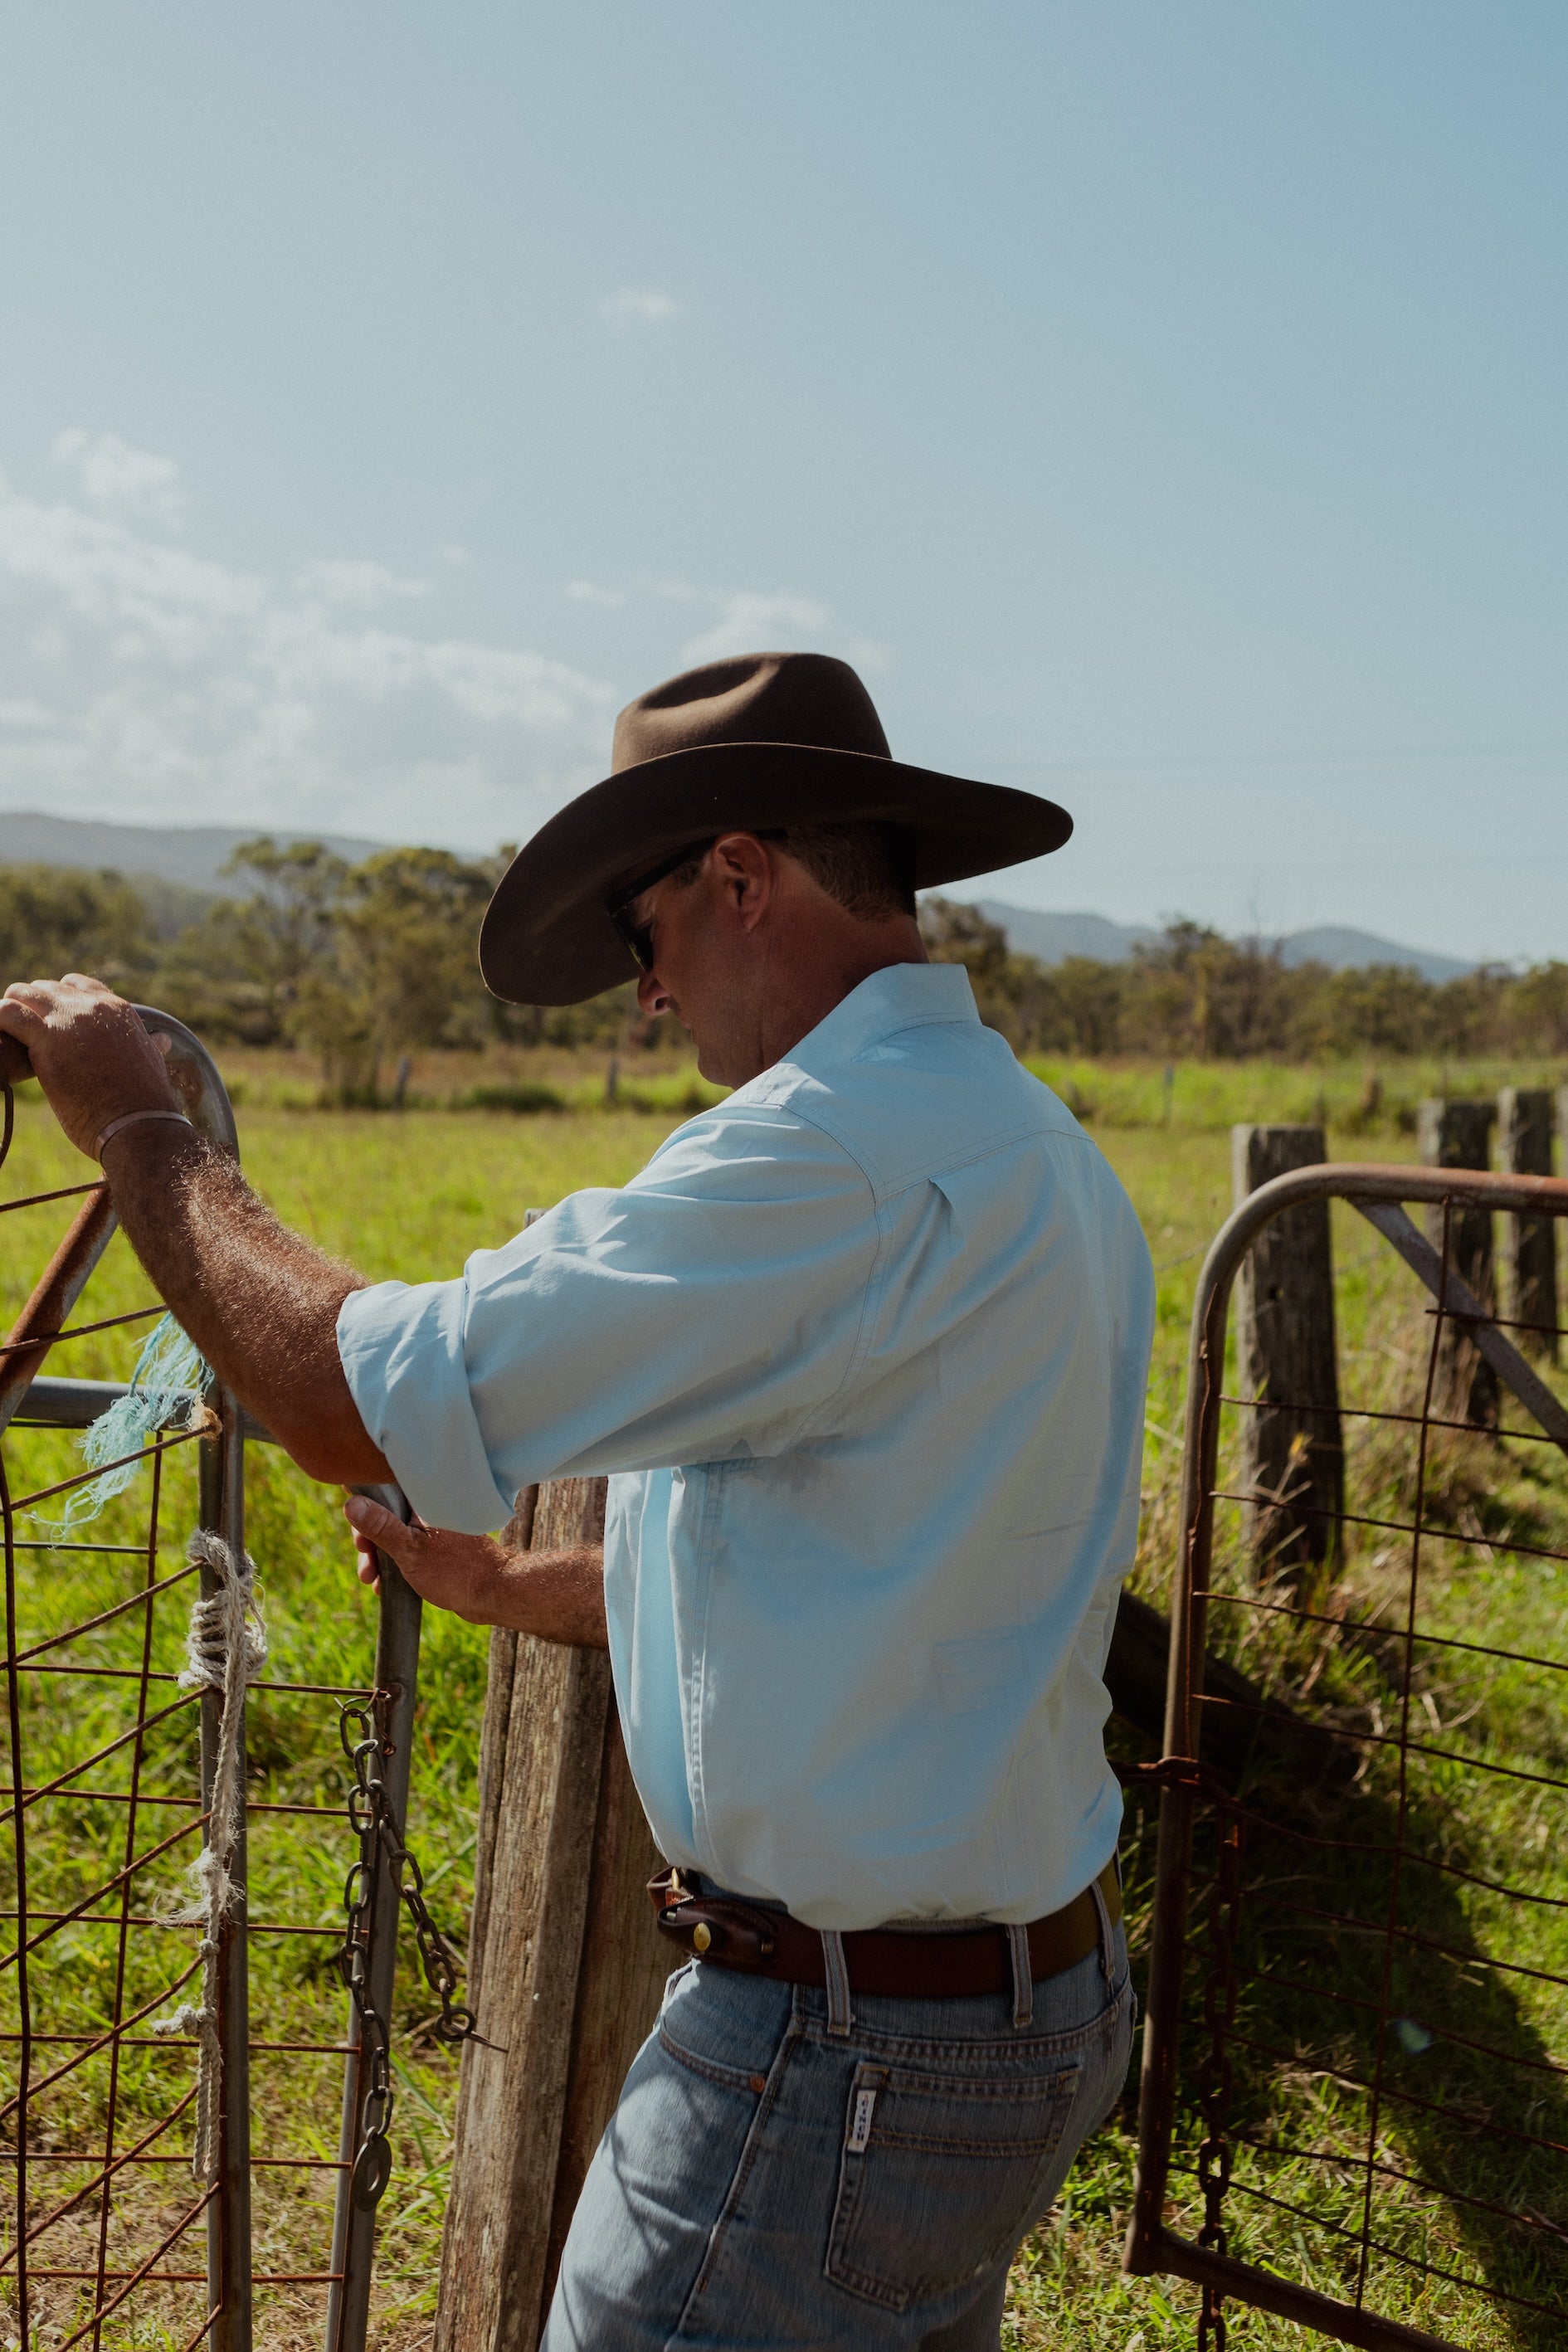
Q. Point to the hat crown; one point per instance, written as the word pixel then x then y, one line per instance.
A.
pixel 805 698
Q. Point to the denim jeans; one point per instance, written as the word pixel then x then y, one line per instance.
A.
pixel 768 2186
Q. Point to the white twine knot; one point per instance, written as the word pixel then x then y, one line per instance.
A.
pixel 203 2023
pixel 225 1649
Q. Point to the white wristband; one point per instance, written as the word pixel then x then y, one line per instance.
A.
pixel 130 1119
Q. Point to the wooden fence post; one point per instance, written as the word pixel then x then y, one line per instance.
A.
pixel 565 1966
pixel 1457 1135
pixel 1293 1458
pixel 1524 1126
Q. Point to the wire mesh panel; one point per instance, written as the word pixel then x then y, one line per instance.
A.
pixel 108 1761
pixel 193 2116
pixel 1354 2108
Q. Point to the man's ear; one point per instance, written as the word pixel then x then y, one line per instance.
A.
pixel 745 874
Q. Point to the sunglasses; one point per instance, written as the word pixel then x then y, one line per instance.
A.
pixel 639 937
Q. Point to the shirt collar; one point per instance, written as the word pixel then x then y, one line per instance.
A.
pixel 901 996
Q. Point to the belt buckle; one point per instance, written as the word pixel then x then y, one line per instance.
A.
pixel 720 1931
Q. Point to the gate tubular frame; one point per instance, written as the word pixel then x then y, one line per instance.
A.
pixel 1379 1193
pixel 229 2326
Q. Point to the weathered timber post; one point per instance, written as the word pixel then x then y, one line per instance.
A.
pixel 565 1966
pixel 1524 1126
pixel 1457 1135
pixel 1293 1461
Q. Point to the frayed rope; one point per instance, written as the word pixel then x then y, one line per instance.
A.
pixel 164 1387
pixel 225 1649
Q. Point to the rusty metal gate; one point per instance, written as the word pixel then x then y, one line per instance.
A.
pixel 1354 2097
pixel 108 1990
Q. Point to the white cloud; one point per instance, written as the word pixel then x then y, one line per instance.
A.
pixel 750 622
pixel 584 591
pixel 131 483
pixel 354 581
pixel 143 681
pixel 25 714
pixel 631 307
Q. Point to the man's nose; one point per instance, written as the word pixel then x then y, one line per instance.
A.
pixel 653 997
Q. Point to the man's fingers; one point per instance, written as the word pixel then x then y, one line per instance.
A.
pixel 42 997
pixel 87 1048
pixel 16 1018
pixel 372 1523
pixel 368 1518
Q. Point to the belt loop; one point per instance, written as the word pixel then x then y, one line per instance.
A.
pixel 836 1968
pixel 1107 1947
pixel 1023 1976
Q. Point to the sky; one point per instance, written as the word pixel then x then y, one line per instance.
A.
pixel 1162 406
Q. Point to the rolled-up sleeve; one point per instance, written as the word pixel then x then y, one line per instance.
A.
pixel 714 1310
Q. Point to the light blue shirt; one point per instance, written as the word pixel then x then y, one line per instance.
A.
pixel 864 1351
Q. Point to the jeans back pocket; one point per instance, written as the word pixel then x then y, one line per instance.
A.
pixel 937 2177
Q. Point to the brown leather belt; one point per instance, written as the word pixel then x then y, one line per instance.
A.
pixel 898 1960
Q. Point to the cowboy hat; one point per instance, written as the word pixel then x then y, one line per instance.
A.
pixel 755 744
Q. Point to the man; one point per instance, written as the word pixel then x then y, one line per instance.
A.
pixel 863 1350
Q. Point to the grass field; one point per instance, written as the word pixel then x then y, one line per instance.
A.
pixel 411 1195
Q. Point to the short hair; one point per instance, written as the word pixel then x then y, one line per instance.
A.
pixel 866 869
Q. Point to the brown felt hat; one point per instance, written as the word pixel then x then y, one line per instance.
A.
pixel 753 743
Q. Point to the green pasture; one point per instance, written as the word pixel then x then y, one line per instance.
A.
pixel 1366 1098
pixel 410 1195
pixel 1359 1100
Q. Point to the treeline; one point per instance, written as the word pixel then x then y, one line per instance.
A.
pixel 364 963
pixel 359 964
pixel 1194 993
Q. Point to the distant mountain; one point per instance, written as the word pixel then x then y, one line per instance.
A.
pixel 1052 938
pixel 189 855
pixel 1343 949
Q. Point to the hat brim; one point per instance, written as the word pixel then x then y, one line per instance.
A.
pixel 546 938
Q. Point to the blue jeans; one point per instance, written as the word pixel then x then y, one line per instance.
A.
pixel 767 2186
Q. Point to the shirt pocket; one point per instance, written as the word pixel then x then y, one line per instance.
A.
pixel 938 2177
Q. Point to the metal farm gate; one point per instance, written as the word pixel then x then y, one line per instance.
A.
pixel 1354 2101
pixel 189 2119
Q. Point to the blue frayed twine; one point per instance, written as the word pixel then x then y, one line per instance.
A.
pixel 166 1389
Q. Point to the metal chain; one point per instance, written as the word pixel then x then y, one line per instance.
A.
pixel 371 1814
pixel 1219 2015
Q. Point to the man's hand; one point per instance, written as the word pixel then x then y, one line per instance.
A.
pixel 89 1051
pixel 461 1573
pixel 557 1595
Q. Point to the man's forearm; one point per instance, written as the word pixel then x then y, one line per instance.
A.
pixel 557 1596
pixel 259 1301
